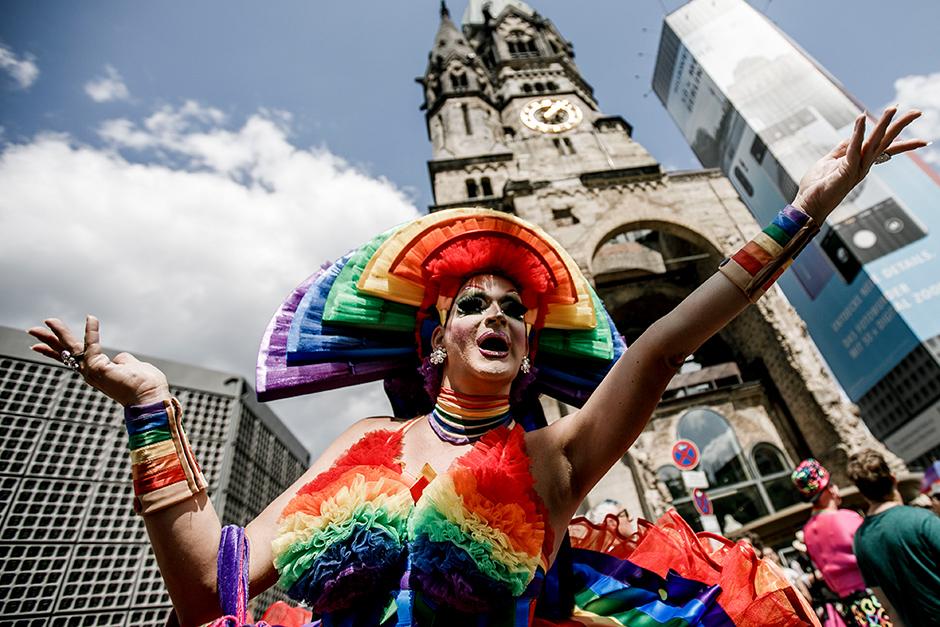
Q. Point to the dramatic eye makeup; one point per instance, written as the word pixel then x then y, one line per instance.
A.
pixel 512 307
pixel 476 302
pixel 471 303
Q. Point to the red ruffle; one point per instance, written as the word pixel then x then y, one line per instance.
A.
pixel 378 448
pixel 482 253
pixel 500 467
pixel 753 589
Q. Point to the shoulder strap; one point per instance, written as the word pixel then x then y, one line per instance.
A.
pixel 407 426
pixel 232 573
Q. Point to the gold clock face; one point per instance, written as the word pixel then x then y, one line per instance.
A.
pixel 551 115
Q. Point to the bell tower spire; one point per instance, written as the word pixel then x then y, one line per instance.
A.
pixel 458 95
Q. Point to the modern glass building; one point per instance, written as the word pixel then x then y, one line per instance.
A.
pixel 751 102
pixel 72 550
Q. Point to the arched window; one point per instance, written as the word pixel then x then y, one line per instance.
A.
pixel 768 459
pixel 471 188
pixel 774 472
pixel 539 87
pixel 722 460
pixel 735 492
pixel 487 186
pixel 521 45
pixel 551 85
pixel 458 81
pixel 527 87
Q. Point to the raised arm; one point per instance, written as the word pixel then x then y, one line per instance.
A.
pixel 183 527
pixel 599 434
pixel 184 533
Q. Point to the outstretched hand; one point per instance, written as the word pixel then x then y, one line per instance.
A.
pixel 831 178
pixel 125 379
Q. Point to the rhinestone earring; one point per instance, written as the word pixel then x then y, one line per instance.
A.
pixel 438 355
pixel 526 365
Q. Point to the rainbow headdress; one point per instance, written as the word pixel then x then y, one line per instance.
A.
pixel 369 315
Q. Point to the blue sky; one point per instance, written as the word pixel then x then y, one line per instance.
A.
pixel 178 167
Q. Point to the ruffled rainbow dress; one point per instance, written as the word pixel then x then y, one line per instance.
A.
pixel 361 547
pixel 363 544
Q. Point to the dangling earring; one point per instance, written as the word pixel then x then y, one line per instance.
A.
pixel 526 365
pixel 438 355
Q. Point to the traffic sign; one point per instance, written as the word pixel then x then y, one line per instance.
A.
pixel 685 455
pixel 702 503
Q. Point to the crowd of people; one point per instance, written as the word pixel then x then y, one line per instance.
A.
pixel 880 568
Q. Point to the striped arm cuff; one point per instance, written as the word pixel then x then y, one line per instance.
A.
pixel 164 468
pixel 758 265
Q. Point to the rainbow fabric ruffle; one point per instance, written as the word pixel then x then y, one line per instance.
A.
pixel 343 536
pixel 477 532
pixel 474 540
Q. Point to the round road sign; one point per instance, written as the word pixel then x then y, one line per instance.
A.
pixel 685 455
pixel 702 503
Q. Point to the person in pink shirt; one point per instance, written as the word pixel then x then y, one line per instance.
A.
pixel 828 536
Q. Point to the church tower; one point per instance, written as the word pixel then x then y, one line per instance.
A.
pixel 515 127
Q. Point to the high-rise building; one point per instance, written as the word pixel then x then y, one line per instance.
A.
pixel 751 102
pixel 72 550
pixel 514 126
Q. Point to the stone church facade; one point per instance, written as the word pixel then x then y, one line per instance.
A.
pixel 515 127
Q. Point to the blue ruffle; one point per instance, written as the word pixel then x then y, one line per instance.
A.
pixel 367 561
pixel 446 574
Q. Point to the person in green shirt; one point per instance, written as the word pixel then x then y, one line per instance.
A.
pixel 897 546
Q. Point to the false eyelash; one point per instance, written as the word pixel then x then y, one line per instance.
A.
pixel 471 304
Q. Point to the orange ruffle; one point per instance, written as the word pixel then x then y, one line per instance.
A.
pixel 496 472
pixel 311 502
pixel 523 528
pixel 377 448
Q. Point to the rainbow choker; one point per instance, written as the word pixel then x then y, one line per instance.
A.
pixel 461 418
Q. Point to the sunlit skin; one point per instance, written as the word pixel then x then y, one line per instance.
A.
pixel 568 457
pixel 485 337
pixel 829 499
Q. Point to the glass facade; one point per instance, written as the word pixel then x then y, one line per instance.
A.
pixel 752 103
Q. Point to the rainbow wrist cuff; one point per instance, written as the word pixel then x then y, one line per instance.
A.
pixel 756 266
pixel 163 466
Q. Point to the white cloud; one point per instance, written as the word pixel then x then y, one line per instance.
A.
pixel 187 254
pixel 23 70
pixel 922 92
pixel 108 87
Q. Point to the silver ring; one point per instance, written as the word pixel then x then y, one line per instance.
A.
pixel 72 361
pixel 882 158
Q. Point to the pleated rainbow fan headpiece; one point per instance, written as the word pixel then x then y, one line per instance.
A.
pixel 368 315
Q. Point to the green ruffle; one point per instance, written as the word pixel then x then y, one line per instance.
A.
pixel 432 523
pixel 596 343
pixel 299 556
pixel 345 304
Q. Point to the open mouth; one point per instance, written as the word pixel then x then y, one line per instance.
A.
pixel 493 345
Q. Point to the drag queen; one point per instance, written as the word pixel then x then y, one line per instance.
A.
pixel 458 516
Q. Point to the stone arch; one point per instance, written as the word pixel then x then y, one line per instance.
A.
pixel 612 225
